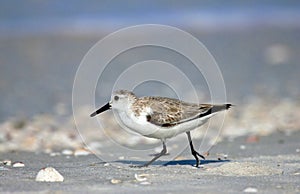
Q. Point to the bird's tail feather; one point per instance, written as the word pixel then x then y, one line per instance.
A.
pixel 215 108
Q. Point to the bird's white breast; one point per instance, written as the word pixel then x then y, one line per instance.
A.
pixel 140 125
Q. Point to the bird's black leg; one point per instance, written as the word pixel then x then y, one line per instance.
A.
pixel 194 152
pixel 163 152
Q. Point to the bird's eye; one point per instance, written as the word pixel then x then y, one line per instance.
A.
pixel 116 98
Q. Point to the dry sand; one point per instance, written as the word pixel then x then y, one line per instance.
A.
pixel 267 165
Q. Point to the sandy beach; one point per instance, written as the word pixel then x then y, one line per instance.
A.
pixel 267 165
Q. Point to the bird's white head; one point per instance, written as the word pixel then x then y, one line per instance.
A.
pixel 120 100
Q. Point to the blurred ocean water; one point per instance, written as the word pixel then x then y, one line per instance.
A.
pixel 48 17
pixel 256 45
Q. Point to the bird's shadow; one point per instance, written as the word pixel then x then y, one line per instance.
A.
pixel 171 163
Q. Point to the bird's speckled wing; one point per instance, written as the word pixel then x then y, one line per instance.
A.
pixel 168 112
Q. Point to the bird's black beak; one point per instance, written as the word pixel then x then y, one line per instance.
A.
pixel 102 109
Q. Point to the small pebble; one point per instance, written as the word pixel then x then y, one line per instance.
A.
pixel 18 164
pixel 106 164
pixel 67 152
pixel 297 173
pixel 242 147
pixel 141 177
pixel 250 190
pixel 54 154
pixel 115 181
pixel 49 174
pixel 145 183
pixel 121 158
pixel 81 152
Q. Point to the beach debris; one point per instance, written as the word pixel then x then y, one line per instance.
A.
pixel 250 190
pixel 18 165
pixel 48 132
pixel 297 173
pixel 106 164
pixel 67 152
pixel 49 174
pixel 141 177
pixel 121 157
pixel 145 183
pixel 55 154
pixel 81 152
pixel 115 181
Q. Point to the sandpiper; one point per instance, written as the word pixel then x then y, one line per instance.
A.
pixel 160 117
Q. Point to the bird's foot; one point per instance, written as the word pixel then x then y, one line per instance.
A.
pixel 196 154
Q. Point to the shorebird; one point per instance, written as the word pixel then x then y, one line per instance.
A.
pixel 160 117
